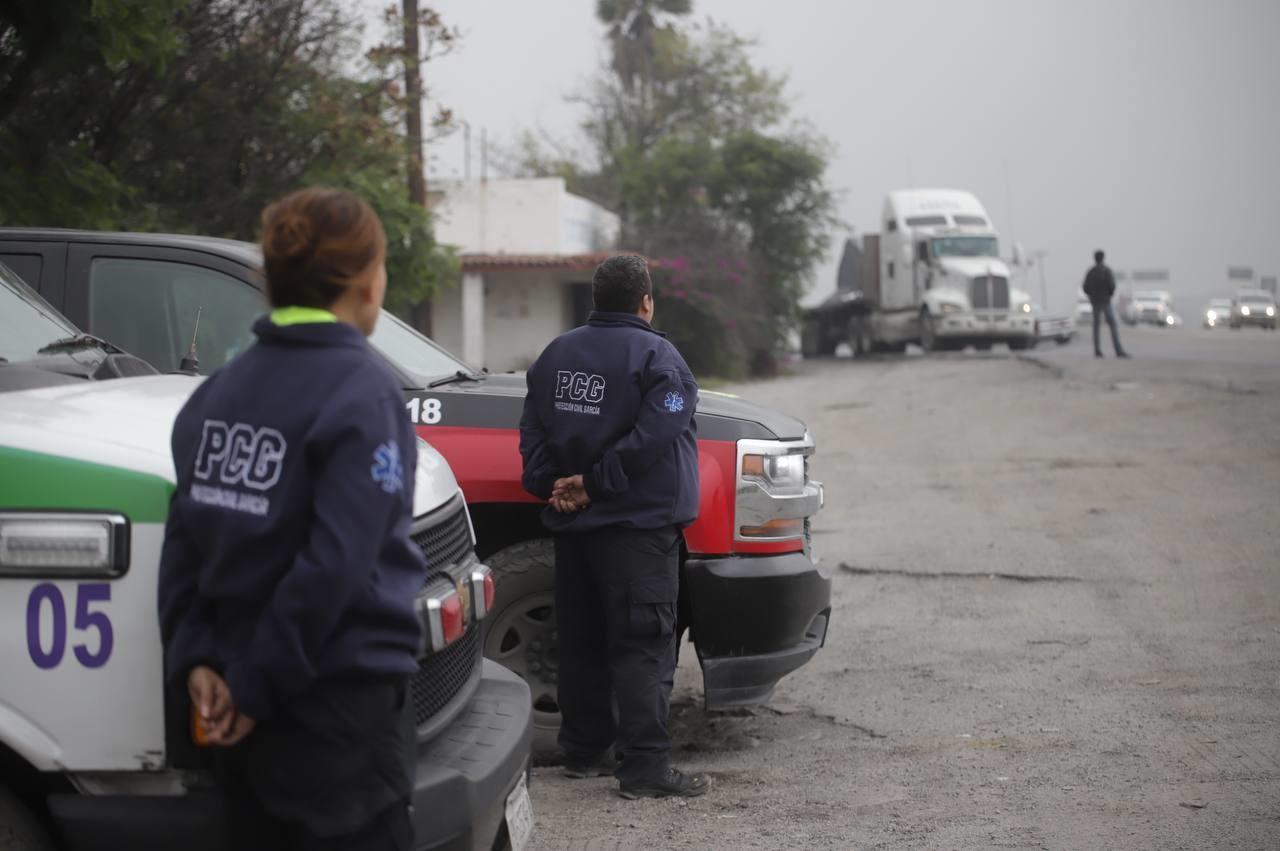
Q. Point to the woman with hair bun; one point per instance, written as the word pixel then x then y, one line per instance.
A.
pixel 287 577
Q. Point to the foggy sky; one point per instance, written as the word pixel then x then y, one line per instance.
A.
pixel 1148 128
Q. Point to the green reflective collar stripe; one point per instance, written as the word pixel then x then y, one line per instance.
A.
pixel 301 315
pixel 35 480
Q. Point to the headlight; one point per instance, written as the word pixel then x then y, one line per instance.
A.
pixel 1169 320
pixel 948 307
pixel 48 544
pixel 778 473
pixel 1211 315
pixel 774 495
pixel 1026 308
pixel 1244 311
pixel 1271 311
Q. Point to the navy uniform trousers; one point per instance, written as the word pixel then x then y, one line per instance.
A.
pixel 615 593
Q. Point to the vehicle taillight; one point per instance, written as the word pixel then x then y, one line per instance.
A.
pixel 444 619
pixel 483 591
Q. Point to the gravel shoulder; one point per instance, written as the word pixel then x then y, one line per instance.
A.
pixel 1056 625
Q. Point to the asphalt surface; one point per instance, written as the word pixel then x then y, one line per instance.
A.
pixel 1247 359
pixel 1056 624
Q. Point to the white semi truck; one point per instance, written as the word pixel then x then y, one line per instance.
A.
pixel 933 276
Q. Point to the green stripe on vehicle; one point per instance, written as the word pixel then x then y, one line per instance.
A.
pixel 37 480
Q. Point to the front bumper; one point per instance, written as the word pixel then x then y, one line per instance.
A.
pixel 755 619
pixel 1261 320
pixel 981 328
pixel 464 775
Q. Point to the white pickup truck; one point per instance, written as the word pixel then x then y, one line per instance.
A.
pixel 95 751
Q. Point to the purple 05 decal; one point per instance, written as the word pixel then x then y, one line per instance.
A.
pixel 47 597
pixel 46 592
pixel 94 592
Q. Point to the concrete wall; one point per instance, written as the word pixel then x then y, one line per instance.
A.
pixel 522 311
pixel 534 216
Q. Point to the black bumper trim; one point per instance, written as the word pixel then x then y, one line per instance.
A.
pixel 463 778
pixel 734 681
pixel 755 619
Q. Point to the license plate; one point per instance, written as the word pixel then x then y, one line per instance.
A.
pixel 519 816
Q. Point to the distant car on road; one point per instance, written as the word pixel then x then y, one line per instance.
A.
pixel 1060 327
pixel 1254 307
pixel 1217 312
pixel 1154 307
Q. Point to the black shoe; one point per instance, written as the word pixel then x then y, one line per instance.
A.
pixel 674 783
pixel 1122 354
pixel 1098 355
pixel 602 766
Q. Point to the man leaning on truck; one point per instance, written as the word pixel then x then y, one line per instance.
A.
pixel 607 437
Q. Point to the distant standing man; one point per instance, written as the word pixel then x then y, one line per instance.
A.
pixel 1100 286
pixel 608 438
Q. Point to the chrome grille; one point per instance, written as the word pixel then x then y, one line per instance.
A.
pixel 989 292
pixel 447 540
pixel 444 536
pixel 442 675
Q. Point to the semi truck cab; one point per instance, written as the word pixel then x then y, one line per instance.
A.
pixel 940 262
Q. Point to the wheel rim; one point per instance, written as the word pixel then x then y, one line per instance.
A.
pixel 524 640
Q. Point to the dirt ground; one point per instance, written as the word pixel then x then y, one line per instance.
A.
pixel 1056 625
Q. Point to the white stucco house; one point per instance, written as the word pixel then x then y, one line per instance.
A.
pixel 528 248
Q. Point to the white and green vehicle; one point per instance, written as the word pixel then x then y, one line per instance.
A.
pixel 95 751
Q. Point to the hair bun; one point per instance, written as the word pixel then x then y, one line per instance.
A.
pixel 291 237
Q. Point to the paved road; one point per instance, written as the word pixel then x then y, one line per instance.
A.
pixel 1246 359
pixel 1056 625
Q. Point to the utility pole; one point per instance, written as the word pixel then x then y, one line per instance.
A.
pixel 413 103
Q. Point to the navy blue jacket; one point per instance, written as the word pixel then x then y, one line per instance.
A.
pixel 614 401
pixel 287 555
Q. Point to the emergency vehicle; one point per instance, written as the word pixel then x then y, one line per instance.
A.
pixel 754 600
pixel 95 751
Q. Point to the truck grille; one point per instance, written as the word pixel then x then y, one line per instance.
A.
pixel 989 291
pixel 445 540
pixel 442 675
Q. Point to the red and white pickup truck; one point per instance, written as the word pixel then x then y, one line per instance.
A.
pixel 754 601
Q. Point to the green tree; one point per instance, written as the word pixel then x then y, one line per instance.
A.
pixel 694 147
pixel 193 117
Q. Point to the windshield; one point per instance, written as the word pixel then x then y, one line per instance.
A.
pixel 1256 299
pixel 964 246
pixel 27 322
pixel 411 351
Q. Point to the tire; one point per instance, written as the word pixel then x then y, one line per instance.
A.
pixel 521 635
pixel 20 830
pixel 859 334
pixel 928 332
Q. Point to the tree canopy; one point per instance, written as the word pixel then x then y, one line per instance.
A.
pixel 191 115
pixel 695 148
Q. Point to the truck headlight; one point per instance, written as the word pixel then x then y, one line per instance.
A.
pixel 1244 311
pixel 778 473
pixel 950 307
pixel 1026 308
pixel 63 544
pixel 1271 311
pixel 1211 315
pixel 774 494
